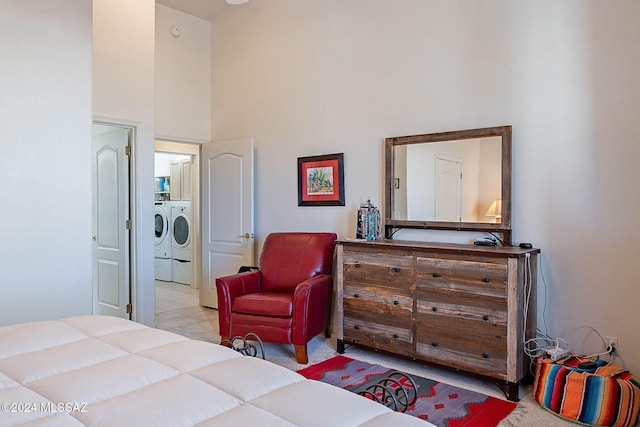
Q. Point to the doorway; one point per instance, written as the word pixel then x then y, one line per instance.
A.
pixel 222 190
pixel 112 146
pixel 176 200
pixel 448 188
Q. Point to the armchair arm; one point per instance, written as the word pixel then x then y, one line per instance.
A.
pixel 311 308
pixel 230 287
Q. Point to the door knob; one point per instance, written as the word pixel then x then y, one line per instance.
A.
pixel 247 235
pixel 94 238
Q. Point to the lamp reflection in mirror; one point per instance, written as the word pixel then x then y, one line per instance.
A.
pixel 495 210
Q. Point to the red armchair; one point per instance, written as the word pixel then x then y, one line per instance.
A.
pixel 288 300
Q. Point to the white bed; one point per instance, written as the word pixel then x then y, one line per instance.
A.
pixel 105 371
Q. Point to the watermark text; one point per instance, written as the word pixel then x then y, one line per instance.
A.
pixel 49 407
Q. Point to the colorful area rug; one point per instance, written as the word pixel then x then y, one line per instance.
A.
pixel 441 404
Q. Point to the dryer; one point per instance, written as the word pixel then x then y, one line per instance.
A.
pixel 181 242
pixel 163 247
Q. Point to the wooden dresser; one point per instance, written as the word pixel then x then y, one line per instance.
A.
pixel 462 306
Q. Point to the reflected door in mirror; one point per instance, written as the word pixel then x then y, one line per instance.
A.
pixel 448 185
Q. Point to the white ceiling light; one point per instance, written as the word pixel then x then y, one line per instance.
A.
pixel 236 2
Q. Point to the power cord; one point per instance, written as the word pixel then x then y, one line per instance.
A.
pixel 560 348
pixel 497 238
pixel 544 304
pixel 527 292
pixel 543 344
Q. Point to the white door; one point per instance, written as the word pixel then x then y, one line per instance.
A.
pixel 185 180
pixel 227 212
pixel 448 195
pixel 110 166
pixel 176 181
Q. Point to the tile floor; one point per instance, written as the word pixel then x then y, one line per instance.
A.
pixel 177 310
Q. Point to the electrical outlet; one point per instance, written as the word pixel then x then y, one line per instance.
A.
pixel 612 343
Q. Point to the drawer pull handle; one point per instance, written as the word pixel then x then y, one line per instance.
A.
pixel 485 355
pixel 356 295
pixel 485 317
pixel 396 336
pixel 357 327
pixel 357 265
pixel 396 302
pixel 434 308
pixel 486 280
pixel 436 274
pixel 397 270
pixel 434 344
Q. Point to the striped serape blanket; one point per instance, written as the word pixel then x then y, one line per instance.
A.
pixel 604 395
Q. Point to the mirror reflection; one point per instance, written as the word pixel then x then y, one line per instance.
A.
pixel 451 181
pixel 456 180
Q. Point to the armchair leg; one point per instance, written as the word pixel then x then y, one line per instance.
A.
pixel 301 354
pixel 327 333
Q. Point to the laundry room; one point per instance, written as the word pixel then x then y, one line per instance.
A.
pixel 173 218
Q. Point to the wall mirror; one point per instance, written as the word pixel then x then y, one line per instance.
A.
pixel 458 180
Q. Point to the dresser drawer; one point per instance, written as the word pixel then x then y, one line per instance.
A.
pixel 453 306
pixel 471 345
pixel 381 268
pixel 472 277
pixel 395 336
pixel 378 300
pixel 464 330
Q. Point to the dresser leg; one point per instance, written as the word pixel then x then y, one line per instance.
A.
pixel 513 391
pixel 340 347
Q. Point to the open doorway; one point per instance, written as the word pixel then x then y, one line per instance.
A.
pixel 176 200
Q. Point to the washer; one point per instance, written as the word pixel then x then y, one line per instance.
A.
pixel 181 231
pixel 163 248
pixel 181 239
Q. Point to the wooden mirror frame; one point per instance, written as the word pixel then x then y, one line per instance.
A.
pixel 504 227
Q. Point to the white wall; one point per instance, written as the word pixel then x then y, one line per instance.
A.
pixel 306 78
pixel 183 77
pixel 45 166
pixel 123 92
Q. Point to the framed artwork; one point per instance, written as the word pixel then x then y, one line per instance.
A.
pixel 321 180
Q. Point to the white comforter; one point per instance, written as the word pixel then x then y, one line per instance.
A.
pixel 105 371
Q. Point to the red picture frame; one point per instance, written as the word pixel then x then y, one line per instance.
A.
pixel 321 180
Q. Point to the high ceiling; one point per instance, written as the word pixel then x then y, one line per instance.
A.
pixel 206 9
